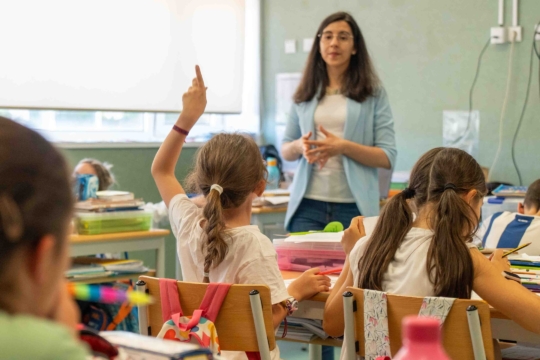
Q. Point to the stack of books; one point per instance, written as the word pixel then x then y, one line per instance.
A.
pixel 110 201
pixel 528 269
pixel 273 198
pixel 85 268
pixel 510 191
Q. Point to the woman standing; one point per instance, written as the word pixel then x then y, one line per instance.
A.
pixel 341 128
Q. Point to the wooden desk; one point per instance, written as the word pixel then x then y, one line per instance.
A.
pixel 120 242
pixel 502 327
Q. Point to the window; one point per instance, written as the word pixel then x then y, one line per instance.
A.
pixel 88 127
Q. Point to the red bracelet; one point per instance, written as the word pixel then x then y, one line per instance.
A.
pixel 180 130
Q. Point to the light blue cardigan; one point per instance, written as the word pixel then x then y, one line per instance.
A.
pixel 368 123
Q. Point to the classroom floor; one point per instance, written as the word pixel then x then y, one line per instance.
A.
pixel 297 351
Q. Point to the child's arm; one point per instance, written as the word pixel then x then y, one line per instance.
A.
pixel 333 319
pixel 194 103
pixel 507 296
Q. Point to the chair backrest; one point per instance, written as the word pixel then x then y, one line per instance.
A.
pixel 456 336
pixel 234 324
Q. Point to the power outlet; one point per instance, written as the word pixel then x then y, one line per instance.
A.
pixel 514 33
pixel 498 35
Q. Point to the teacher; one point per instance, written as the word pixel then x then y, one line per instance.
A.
pixel 341 128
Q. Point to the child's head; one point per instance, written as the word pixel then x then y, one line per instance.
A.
pixel 97 168
pixel 36 204
pixel 447 186
pixel 234 163
pixel 531 204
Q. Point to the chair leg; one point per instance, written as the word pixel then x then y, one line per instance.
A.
pixel 144 329
pixel 315 352
pixel 349 340
pixel 258 319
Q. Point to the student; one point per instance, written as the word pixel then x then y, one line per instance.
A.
pixel 418 182
pixel 37 315
pixel 97 168
pixel 509 230
pixel 217 243
pixel 432 255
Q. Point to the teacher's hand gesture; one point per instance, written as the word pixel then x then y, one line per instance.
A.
pixel 194 101
pixel 324 148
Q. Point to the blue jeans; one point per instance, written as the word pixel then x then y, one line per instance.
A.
pixel 315 215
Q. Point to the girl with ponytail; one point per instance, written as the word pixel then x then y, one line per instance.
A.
pixel 217 243
pixel 431 254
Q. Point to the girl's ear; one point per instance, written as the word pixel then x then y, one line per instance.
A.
pixel 42 258
pixel 469 197
pixel 259 189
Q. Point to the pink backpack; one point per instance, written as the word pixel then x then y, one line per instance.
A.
pixel 198 328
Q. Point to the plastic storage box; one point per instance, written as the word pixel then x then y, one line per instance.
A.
pixel 113 222
pixel 306 255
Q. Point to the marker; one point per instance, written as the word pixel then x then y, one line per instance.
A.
pixel 331 271
pixel 107 294
pixel 516 249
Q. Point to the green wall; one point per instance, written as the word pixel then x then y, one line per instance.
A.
pixel 132 171
pixel 425 52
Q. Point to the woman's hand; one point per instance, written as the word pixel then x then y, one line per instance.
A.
pixel 324 149
pixel 502 264
pixel 194 102
pixel 355 232
pixel 309 284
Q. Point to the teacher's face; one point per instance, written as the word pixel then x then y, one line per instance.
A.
pixel 337 45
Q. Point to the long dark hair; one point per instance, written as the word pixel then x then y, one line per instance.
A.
pixel 453 221
pixel 360 80
pixel 234 162
pixel 35 191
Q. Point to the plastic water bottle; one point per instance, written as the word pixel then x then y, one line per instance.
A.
pixel 273 174
pixel 421 340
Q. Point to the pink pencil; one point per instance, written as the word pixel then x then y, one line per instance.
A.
pixel 331 271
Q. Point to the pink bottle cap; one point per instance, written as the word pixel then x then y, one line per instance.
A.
pixel 421 329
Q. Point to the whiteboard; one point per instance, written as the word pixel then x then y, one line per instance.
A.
pixel 136 55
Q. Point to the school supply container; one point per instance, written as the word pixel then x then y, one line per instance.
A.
pixel 113 222
pixel 306 255
pixel 421 340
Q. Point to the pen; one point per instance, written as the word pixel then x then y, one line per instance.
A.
pixel 516 249
pixel 331 271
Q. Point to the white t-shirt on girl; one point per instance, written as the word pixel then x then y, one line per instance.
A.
pixel 251 258
pixel 407 273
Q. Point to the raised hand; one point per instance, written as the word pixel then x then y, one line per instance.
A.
pixel 194 102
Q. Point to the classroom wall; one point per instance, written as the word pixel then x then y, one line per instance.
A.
pixel 425 52
pixel 132 171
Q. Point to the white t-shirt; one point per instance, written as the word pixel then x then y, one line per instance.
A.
pixel 406 274
pixel 330 183
pixel 510 230
pixel 251 258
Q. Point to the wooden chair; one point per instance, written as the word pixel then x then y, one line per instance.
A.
pixel 244 322
pixel 456 336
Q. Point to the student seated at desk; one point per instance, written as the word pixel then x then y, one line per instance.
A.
pixel 510 230
pixel 432 255
pixel 217 243
pixel 37 315
pixel 95 167
pixel 418 182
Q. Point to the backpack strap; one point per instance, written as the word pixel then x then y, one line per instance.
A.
pixel 213 299
pixel 170 299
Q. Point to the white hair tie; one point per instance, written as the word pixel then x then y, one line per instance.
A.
pixel 218 188
pixel 205 274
